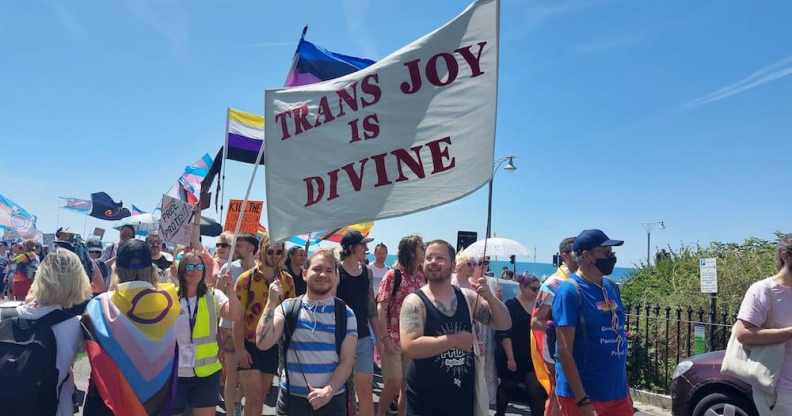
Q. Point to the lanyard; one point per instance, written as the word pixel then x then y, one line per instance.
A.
pixel 192 315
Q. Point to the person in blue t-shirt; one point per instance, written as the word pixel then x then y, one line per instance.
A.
pixel 591 364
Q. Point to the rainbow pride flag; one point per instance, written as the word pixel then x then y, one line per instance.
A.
pixel 131 344
pixel 312 63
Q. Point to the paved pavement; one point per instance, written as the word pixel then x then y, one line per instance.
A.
pixel 83 370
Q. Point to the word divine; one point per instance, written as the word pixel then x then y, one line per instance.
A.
pixel 401 158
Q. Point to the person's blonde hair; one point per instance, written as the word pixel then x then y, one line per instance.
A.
pixel 324 253
pixel 226 237
pixel 60 280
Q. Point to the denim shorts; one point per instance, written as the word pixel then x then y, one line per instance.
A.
pixel 364 356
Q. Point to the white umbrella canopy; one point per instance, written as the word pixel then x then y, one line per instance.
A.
pixel 147 223
pixel 500 247
pixel 143 223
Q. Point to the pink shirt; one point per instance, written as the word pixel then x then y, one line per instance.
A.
pixel 768 304
pixel 409 283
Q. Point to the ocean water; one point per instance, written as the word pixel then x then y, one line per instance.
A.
pixel 509 288
pixel 541 270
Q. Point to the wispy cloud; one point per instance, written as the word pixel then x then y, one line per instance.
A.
pixel 65 18
pixel 269 44
pixel 603 45
pixel 523 16
pixel 356 16
pixel 763 76
pixel 169 18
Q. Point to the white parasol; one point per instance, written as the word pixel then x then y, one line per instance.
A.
pixel 496 247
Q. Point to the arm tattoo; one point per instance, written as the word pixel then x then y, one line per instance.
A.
pixel 447 310
pixel 411 317
pixel 267 325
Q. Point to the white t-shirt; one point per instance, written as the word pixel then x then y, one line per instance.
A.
pixel 183 331
pixel 68 338
pixel 768 304
pixel 377 274
pixel 236 270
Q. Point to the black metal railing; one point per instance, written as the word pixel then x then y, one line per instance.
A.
pixel 659 337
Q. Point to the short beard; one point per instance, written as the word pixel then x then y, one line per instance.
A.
pixel 436 277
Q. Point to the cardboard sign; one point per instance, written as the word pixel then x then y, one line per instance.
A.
pixel 174 225
pixel 251 219
pixel 99 232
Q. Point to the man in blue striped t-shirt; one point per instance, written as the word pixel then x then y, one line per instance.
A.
pixel 316 373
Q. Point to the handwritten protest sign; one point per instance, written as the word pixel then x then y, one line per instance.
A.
pixel 413 131
pixel 251 219
pixel 174 225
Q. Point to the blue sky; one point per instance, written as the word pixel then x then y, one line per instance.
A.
pixel 619 112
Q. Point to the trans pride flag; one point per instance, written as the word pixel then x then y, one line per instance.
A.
pixel 191 179
pixel 313 64
pixel 16 219
pixel 83 206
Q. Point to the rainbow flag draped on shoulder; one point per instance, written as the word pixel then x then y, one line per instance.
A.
pixel 131 344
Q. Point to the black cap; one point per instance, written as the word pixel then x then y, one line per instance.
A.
pixel 352 238
pixel 589 239
pixel 133 254
pixel 93 244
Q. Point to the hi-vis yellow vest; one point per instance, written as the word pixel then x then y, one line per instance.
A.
pixel 204 336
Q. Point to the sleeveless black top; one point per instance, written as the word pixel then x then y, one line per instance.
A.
pixel 355 292
pixel 444 384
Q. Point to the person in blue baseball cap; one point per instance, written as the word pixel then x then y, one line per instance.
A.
pixel 591 339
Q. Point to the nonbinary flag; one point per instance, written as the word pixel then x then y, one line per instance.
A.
pixel 244 137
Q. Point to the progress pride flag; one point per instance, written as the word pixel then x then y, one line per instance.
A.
pixel 413 131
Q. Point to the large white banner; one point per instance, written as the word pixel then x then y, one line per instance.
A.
pixel 413 131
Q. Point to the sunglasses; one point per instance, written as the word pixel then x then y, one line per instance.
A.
pixel 194 266
pixel 275 252
pixel 222 245
pixel 534 288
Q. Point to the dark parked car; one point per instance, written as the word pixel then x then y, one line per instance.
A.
pixel 699 389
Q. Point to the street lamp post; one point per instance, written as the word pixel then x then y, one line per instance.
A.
pixel 649 227
pixel 509 160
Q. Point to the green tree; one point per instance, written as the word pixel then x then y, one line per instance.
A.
pixel 674 279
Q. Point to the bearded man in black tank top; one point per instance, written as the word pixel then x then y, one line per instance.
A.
pixel 435 331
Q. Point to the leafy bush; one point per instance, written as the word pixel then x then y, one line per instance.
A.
pixel 674 278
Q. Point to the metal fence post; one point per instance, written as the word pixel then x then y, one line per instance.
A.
pixel 689 328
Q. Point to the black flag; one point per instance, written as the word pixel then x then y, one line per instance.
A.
pixel 104 208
